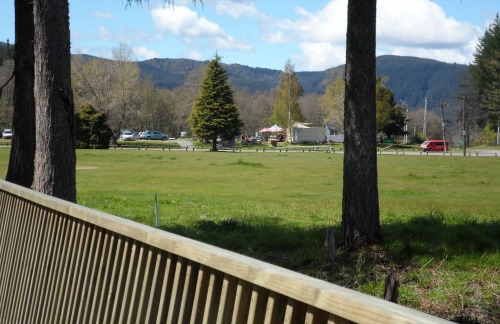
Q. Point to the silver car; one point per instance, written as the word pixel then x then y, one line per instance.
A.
pixel 7 133
pixel 154 135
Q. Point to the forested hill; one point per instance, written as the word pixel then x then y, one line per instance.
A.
pixel 409 78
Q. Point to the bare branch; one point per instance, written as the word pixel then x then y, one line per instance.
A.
pixel 5 84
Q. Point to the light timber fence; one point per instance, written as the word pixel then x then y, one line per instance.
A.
pixel 64 263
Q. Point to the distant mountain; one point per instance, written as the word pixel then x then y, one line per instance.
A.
pixel 409 78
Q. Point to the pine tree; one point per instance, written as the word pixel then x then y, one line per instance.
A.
pixel 486 50
pixel 214 112
pixel 485 70
pixel 390 118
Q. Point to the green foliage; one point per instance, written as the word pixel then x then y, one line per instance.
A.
pixel 214 113
pixel 419 138
pixel 286 108
pixel 332 103
pixel 486 50
pixel 486 71
pixel 91 129
pixel 390 117
pixel 491 95
pixel 6 51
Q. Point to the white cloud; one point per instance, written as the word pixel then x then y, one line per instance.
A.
pixel 275 37
pixel 404 27
pixel 104 34
pixel 145 53
pixel 195 55
pixel 103 15
pixel 230 43
pixel 420 23
pixel 237 9
pixel 320 56
pixel 184 22
pixel 327 25
pixel 444 55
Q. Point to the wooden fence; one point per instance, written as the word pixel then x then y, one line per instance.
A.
pixel 64 263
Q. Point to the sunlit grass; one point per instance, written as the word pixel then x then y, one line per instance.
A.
pixel 440 215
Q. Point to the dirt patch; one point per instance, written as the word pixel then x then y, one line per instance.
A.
pixel 86 168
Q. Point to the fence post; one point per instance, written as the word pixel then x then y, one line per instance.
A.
pixel 330 245
pixel 156 210
pixel 391 288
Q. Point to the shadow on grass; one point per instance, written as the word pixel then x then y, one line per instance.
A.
pixel 434 236
pixel 407 245
pixel 267 239
pixel 421 236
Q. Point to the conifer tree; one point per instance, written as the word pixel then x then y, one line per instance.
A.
pixel 485 70
pixel 214 111
pixel 390 118
pixel 91 129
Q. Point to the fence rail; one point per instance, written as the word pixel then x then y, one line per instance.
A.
pixel 310 149
pixel 64 263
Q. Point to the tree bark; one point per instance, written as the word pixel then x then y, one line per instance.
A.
pixel 55 158
pixel 214 144
pixel 360 206
pixel 22 153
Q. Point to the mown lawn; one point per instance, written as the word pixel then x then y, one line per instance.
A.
pixel 440 216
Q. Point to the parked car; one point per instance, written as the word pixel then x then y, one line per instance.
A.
pixel 154 135
pixel 127 136
pixel 7 133
pixel 434 145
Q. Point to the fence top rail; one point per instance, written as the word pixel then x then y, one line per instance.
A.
pixel 346 303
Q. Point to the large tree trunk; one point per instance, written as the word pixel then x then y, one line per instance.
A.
pixel 360 206
pixel 214 144
pixel 22 153
pixel 55 158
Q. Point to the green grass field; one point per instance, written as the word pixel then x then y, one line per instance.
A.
pixel 440 216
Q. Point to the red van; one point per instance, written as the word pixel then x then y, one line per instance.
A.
pixel 434 145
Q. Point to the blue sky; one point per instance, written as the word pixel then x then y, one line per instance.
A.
pixel 264 33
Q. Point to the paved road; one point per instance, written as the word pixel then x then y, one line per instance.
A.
pixel 183 142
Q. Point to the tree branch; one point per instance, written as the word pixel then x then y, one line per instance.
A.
pixel 5 84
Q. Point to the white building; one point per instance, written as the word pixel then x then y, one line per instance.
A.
pixel 333 135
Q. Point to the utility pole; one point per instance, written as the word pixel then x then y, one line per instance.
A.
pixel 405 129
pixel 406 126
pixel 464 111
pixel 442 104
pixel 424 129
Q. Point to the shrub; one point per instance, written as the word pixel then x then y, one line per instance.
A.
pixel 91 129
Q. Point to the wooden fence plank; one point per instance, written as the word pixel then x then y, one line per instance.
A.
pixel 188 292
pixel 81 265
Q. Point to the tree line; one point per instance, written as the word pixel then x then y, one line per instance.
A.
pixel 131 100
